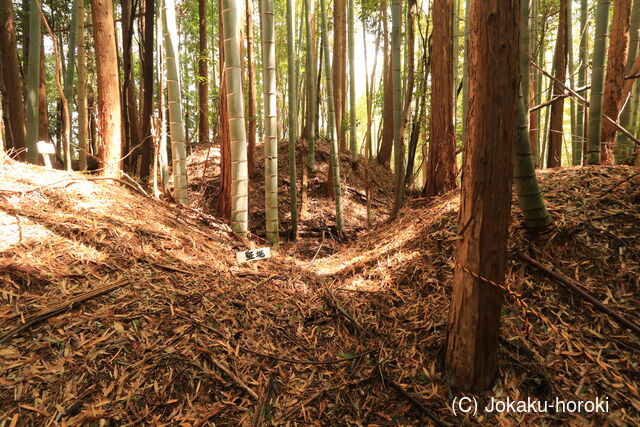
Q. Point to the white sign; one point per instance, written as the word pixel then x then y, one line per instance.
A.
pixel 253 254
pixel 46 149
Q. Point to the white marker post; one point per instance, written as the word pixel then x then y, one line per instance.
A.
pixel 46 149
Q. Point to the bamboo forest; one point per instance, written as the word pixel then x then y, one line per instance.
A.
pixel 319 212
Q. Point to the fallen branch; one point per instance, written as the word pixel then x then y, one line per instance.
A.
pixel 402 392
pixel 613 187
pixel 61 307
pixel 577 288
pixel 584 102
pixel 256 421
pixel 230 374
pixel 312 362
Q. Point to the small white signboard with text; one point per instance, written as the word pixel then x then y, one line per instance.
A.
pixel 253 254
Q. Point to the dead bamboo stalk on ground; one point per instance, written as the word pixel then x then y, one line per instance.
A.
pixel 577 288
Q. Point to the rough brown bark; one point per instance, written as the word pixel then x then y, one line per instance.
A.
pixel 11 69
pixel 203 76
pixel 339 67
pixel 224 194
pixel 474 317
pixel 251 92
pixel 386 146
pixel 147 88
pixel 109 110
pixel 441 167
pixel 554 150
pixel 614 77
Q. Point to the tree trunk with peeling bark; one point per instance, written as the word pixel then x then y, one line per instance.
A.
pixel 441 167
pixel 474 316
pixel 614 77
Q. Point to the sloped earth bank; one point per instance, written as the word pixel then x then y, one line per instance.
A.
pixel 353 338
pixel 318 216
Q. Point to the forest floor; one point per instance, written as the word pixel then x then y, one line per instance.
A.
pixel 118 309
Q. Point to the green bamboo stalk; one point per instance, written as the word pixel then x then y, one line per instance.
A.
pixel 352 83
pixel 575 139
pixel 398 149
pixel 33 82
pixel 69 76
pixel 176 119
pixel 624 148
pixel 530 199
pixel 582 80
pixel 267 27
pixel 163 161
pixel 293 116
pixel 235 104
pixel 311 89
pixel 332 131
pixel 538 94
pixel 597 81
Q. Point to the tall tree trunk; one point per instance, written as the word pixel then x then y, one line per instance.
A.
pixel 583 59
pixel 554 147
pixel 130 107
pixel 176 119
pixel 11 69
pixel 408 97
pixel 33 81
pixel 203 79
pixel 339 67
pixel 270 121
pixel 43 111
pixel 109 111
pixel 398 143
pixel 616 63
pixel 3 138
pixel 331 120
pixel 597 82
pixel 575 140
pixel 82 90
pixel 384 154
pixel 312 99
pixel 251 73
pixel 524 52
pixel 65 117
pixel 293 118
pixel 235 104
pixel 474 316
pixel 353 143
pixel 441 169
pixel 624 146
pixel 147 90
